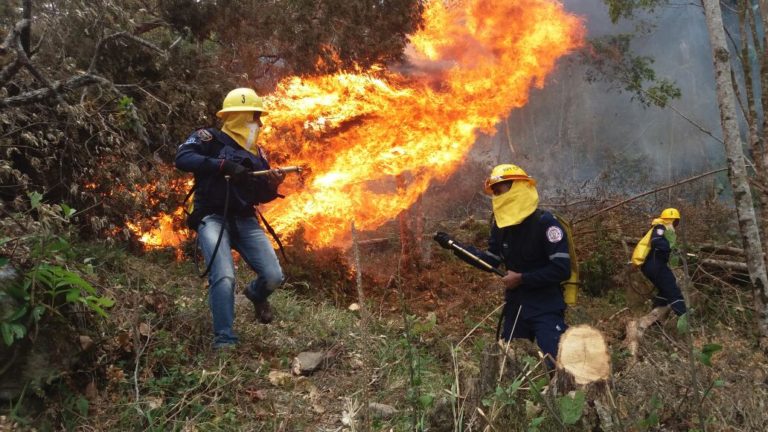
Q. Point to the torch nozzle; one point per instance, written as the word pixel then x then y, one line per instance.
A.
pixel 288 169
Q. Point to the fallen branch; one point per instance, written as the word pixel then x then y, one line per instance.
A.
pixel 721 250
pixel 730 265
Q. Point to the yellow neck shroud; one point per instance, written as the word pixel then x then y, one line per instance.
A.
pixel 513 206
pixel 241 128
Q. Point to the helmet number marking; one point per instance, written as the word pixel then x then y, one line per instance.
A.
pixel 243 97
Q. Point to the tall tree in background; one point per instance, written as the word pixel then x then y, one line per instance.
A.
pixel 736 164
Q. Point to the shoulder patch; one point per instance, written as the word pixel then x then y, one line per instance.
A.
pixel 554 234
pixel 204 135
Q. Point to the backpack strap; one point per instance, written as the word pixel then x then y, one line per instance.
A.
pixel 273 234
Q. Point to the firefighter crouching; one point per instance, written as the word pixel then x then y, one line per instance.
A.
pixel 225 200
pixel 533 246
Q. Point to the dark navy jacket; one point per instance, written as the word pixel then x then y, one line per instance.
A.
pixel 202 154
pixel 538 249
pixel 660 247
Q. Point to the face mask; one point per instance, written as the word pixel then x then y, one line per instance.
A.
pixel 253 135
pixel 513 206
pixel 241 128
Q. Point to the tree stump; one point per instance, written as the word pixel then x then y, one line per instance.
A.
pixel 584 364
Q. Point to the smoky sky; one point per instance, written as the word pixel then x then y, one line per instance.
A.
pixel 573 131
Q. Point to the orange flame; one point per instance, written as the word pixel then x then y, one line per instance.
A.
pixel 364 133
pixel 473 63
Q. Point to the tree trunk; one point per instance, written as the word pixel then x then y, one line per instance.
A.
pixel 736 168
pixel 764 65
pixel 748 22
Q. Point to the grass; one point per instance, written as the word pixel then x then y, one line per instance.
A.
pixel 152 367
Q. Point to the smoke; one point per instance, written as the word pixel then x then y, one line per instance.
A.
pixel 572 131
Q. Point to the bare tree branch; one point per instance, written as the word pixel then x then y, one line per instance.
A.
pixel 54 89
pixel 63 86
pixel 15 66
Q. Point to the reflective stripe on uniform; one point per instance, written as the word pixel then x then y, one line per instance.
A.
pixel 494 256
pixel 559 255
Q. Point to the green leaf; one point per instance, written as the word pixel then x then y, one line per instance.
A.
pixel 571 409
pixel 682 323
pixel 67 211
pixel 37 312
pixel 34 199
pixel 533 426
pixel 106 302
pixel 82 406
pixel 3 261
pixel 719 383
pixel 125 103
pixel 73 295
pixel 425 400
pixel 12 331
pixel 5 329
pixel 20 312
pixel 707 351
pixel 97 309
pixel 18 330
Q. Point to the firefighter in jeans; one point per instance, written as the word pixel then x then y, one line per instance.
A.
pixel 655 253
pixel 224 204
pixel 533 247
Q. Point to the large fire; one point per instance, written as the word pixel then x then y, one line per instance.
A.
pixel 471 64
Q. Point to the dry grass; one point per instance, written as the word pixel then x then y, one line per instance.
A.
pixel 153 368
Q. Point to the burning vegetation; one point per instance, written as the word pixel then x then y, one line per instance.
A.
pixel 358 132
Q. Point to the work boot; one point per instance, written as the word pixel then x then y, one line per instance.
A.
pixel 263 312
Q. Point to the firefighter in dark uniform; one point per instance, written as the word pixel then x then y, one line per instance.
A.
pixel 533 247
pixel 659 250
pixel 224 206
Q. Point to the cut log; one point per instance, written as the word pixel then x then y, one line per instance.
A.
pixel 584 364
pixel 636 328
pixel 582 357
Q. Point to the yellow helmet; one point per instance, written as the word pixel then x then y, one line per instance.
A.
pixel 505 172
pixel 241 100
pixel 670 213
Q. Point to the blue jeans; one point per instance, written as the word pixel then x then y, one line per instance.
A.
pixel 245 235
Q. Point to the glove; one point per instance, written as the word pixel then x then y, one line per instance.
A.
pixel 234 170
pixel 443 239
